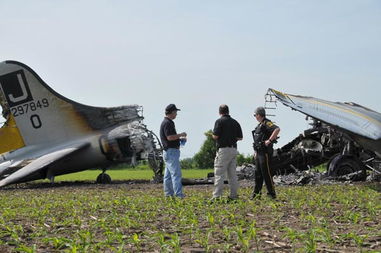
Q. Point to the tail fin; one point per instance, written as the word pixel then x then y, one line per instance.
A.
pixel 42 115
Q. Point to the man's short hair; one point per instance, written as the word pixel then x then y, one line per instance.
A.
pixel 224 109
pixel 260 111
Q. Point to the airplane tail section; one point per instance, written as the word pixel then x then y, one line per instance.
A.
pixel 35 113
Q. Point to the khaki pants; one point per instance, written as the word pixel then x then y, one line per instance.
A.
pixel 225 163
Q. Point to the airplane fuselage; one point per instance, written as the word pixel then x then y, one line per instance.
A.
pixel 47 134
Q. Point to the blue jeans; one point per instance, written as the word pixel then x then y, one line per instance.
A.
pixel 172 173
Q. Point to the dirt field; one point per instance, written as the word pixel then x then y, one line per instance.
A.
pixel 131 216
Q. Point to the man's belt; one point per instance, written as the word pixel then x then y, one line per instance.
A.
pixel 165 149
pixel 228 146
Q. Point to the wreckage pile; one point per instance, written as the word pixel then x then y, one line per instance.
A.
pixel 306 177
pixel 247 171
pixel 294 163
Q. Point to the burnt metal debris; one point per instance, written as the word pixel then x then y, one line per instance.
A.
pixel 345 160
pixel 293 163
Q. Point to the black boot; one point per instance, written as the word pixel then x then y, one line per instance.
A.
pixel 255 195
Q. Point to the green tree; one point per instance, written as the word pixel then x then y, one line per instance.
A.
pixel 187 164
pixel 204 159
pixel 241 159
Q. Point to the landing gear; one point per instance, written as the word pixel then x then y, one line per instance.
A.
pixel 346 165
pixel 156 162
pixel 50 176
pixel 155 159
pixel 103 178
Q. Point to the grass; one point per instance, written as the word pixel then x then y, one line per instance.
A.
pixel 137 218
pixel 125 174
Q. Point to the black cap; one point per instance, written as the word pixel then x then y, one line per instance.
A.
pixel 260 111
pixel 170 108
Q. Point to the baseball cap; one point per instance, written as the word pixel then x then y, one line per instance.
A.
pixel 170 108
pixel 260 111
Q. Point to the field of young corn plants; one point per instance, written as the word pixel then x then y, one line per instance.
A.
pixel 137 218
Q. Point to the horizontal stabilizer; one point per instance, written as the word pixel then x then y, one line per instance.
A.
pixel 42 163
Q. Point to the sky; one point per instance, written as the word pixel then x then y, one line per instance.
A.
pixel 200 54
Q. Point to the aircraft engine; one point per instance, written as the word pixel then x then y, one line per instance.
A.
pixel 127 143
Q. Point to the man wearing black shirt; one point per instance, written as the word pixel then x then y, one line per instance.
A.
pixel 171 143
pixel 264 135
pixel 227 131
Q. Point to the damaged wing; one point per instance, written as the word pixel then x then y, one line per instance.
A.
pixel 41 164
pixel 350 117
pixel 358 123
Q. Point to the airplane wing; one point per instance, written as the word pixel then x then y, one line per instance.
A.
pixel 42 163
pixel 350 117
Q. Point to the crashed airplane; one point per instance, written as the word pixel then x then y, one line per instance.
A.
pixel 46 134
pixel 345 135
